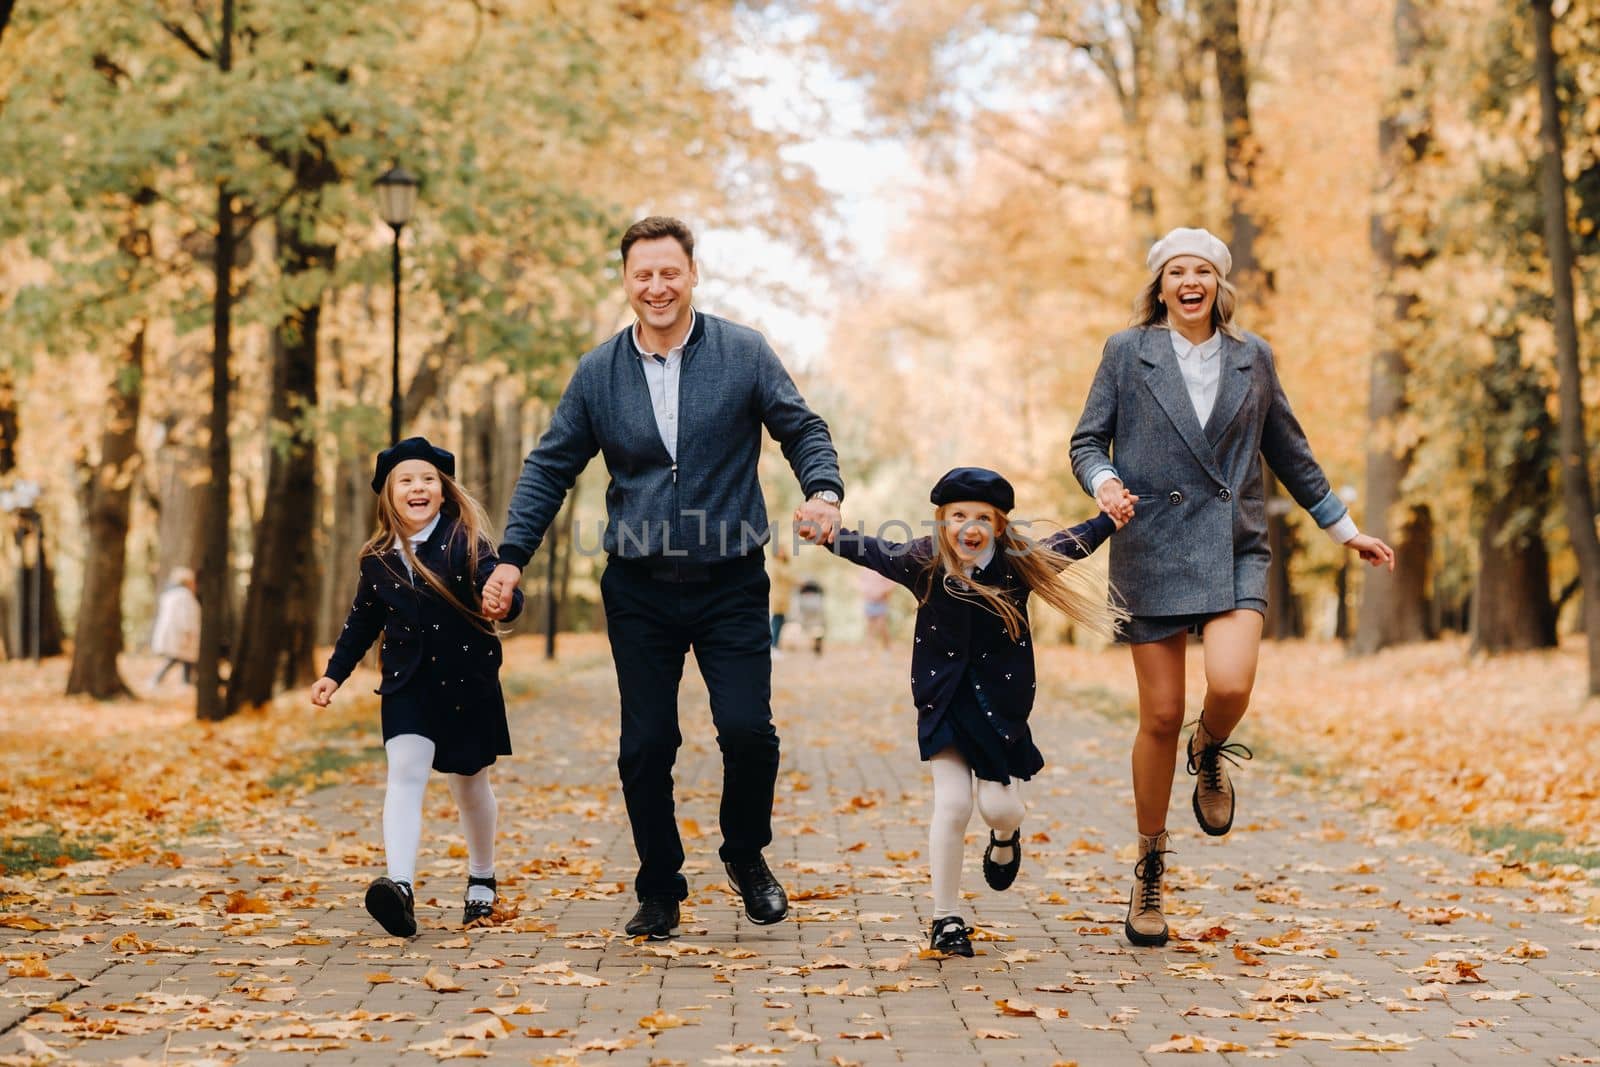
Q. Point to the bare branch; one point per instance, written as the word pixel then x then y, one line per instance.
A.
pixel 1098 51
pixel 1054 177
pixel 185 38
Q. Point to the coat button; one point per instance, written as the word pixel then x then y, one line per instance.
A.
pixel 1224 495
pixel 1174 497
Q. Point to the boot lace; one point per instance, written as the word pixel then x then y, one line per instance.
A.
pixel 1148 871
pixel 1207 762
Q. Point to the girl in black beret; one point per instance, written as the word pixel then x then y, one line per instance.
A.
pixel 442 704
pixel 972 665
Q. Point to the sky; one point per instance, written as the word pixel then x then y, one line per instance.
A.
pixel 863 172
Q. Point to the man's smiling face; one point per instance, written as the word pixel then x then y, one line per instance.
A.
pixel 660 280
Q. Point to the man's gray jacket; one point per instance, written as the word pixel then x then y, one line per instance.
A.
pixel 707 506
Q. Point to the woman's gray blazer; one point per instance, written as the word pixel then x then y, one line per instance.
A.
pixel 1198 541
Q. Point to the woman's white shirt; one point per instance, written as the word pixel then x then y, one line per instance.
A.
pixel 1202 370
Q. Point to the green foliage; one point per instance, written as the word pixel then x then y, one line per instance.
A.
pixel 47 848
pixel 321 767
pixel 1527 845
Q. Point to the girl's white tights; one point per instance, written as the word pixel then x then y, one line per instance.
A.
pixel 410 762
pixel 1000 807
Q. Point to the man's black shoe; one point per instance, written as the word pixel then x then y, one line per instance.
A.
pixel 655 919
pixel 765 902
pixel 390 903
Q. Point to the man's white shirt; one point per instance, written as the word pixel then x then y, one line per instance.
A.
pixel 661 375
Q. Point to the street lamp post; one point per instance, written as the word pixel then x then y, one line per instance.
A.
pixel 397 195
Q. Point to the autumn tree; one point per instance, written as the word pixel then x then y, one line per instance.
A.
pixel 1219 21
pixel 213 584
pixel 1487 382
pixel 101 292
pixel 1577 492
pixel 1394 606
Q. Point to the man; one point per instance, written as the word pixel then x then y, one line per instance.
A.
pixel 677 402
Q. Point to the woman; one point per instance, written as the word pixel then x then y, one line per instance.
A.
pixel 1183 406
pixel 176 637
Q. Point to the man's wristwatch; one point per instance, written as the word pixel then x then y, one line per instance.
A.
pixel 827 496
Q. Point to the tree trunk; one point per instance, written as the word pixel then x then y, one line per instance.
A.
pixel 1284 619
pixel 1254 282
pixel 1511 606
pixel 10 638
pixel 1191 88
pixel 1239 148
pixel 8 423
pixel 1394 607
pixel 351 509
pixel 568 541
pixel 1577 493
pixel 351 522
pixel 30 615
pixel 99 636
pixel 278 632
pixel 179 494
pixel 40 603
pixel 215 574
pixel 1137 123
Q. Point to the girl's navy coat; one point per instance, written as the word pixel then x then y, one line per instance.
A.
pixel 955 635
pixel 441 670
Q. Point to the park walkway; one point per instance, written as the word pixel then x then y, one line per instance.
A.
pixel 1308 936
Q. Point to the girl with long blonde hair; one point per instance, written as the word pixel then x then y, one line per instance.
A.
pixel 972 664
pixel 442 708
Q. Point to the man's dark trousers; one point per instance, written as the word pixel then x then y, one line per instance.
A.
pixel 656 612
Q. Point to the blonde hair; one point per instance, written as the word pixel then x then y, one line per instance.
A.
pixel 471 523
pixel 1047 573
pixel 1148 309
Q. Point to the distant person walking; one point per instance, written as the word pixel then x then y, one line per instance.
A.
pixel 875 590
pixel 1182 410
pixel 677 402
pixel 177 630
pixel 813 619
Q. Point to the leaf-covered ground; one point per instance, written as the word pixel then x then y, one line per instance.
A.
pixel 179 893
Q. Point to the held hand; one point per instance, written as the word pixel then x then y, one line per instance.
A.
pixel 1115 500
pixel 1128 503
pixel 498 590
pixel 1372 550
pixel 816 521
pixel 322 691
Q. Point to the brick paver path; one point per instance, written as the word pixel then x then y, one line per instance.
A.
pixel 1308 936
